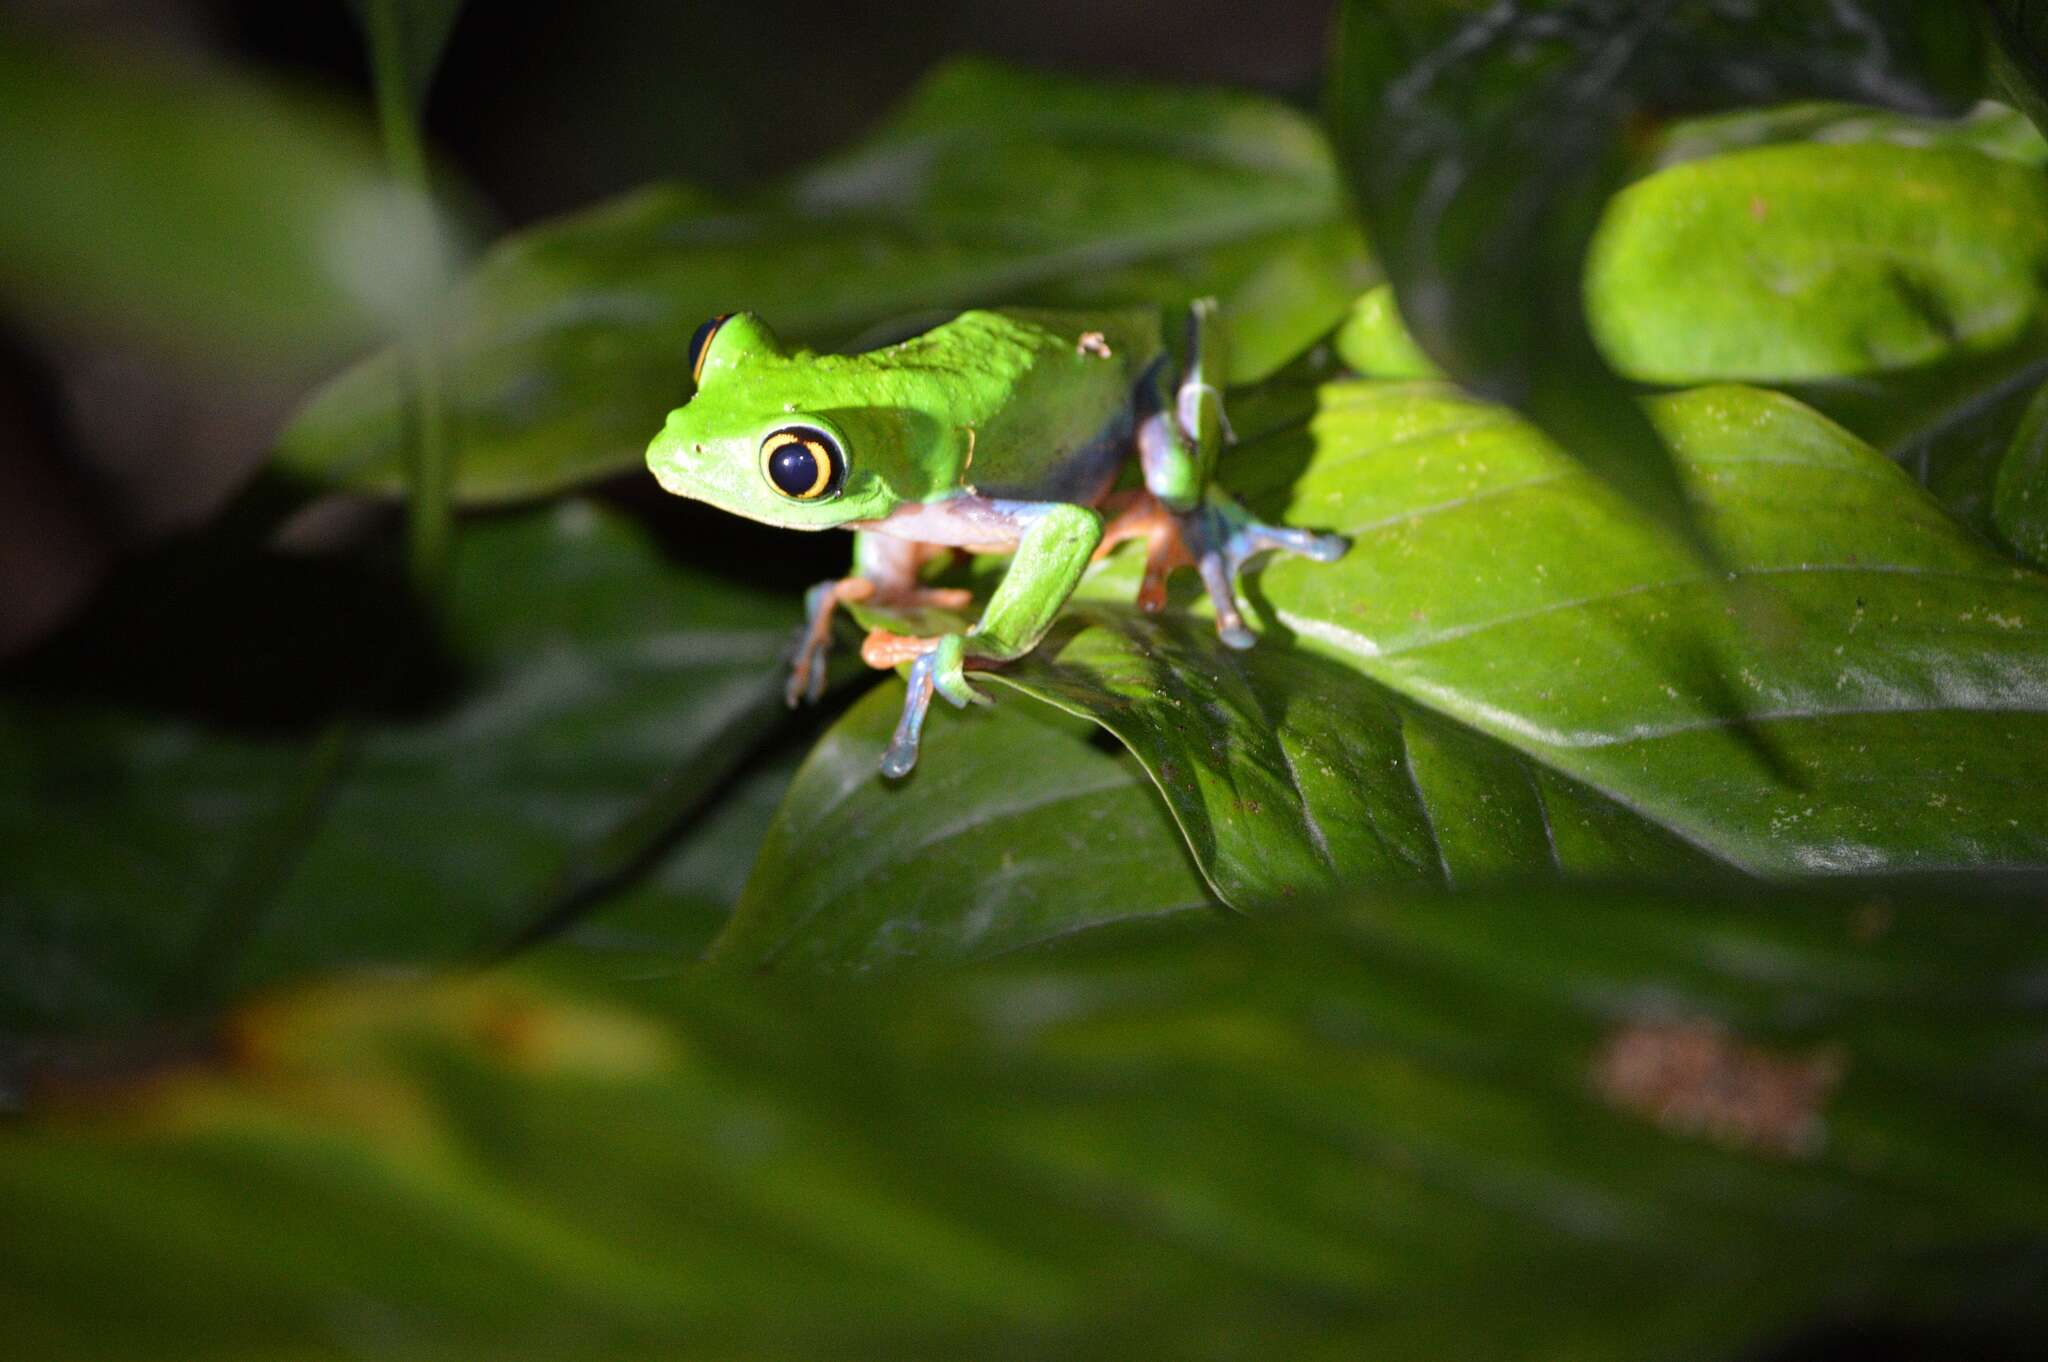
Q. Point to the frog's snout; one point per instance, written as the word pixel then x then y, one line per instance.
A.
pixel 671 457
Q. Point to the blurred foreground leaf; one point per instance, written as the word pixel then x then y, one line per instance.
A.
pixel 566 348
pixel 603 693
pixel 220 218
pixel 1525 1125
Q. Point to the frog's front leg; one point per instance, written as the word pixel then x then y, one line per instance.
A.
pixel 885 571
pixel 1177 449
pixel 1054 544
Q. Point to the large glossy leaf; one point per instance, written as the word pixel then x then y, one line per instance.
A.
pixel 1481 143
pixel 1289 774
pixel 218 217
pixel 1522 1126
pixel 1492 582
pixel 1012 832
pixel 154 859
pixel 1487 687
pixel 989 186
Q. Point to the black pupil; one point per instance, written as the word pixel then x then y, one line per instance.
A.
pixel 794 469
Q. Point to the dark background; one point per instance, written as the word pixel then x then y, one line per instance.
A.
pixel 106 448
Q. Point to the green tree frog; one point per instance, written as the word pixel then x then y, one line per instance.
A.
pixel 1000 431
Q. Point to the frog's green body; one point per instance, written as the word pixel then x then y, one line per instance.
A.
pixel 1005 404
pixel 1000 431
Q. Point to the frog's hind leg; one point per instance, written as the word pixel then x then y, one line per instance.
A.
pixel 886 573
pixel 1178 445
pixel 1140 515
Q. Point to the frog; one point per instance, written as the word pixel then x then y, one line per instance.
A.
pixel 1002 430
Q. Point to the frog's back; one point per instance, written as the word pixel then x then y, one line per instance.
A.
pixel 1043 398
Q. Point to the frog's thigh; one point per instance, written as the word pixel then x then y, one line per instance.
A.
pixel 1054 550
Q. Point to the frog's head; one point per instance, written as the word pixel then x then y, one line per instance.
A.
pixel 767 435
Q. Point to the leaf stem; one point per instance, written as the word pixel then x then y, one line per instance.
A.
pixel 429 463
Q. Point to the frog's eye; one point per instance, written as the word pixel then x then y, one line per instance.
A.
pixel 803 463
pixel 700 345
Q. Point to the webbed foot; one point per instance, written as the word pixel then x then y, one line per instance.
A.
pixel 807 670
pixel 941 668
pixel 807 663
pixel 1223 537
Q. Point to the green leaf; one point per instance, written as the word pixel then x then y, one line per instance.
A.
pixel 220 218
pixel 1516 1126
pixel 1494 583
pixel 1013 831
pixel 1481 143
pixel 1523 716
pixel 1291 775
pixel 1898 289
pixel 566 346
pixel 421 29
pixel 603 693
pixel 1806 261
pixel 1375 342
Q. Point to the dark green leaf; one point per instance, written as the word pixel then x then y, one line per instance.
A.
pixel 2019 54
pixel 220 218
pixel 566 347
pixel 604 692
pixel 1481 144
pixel 1012 831
pixel 665 917
pixel 1289 774
pixel 1991 128
pixel 1521 1126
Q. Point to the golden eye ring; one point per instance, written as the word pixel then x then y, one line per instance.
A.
pixel 803 463
pixel 700 345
